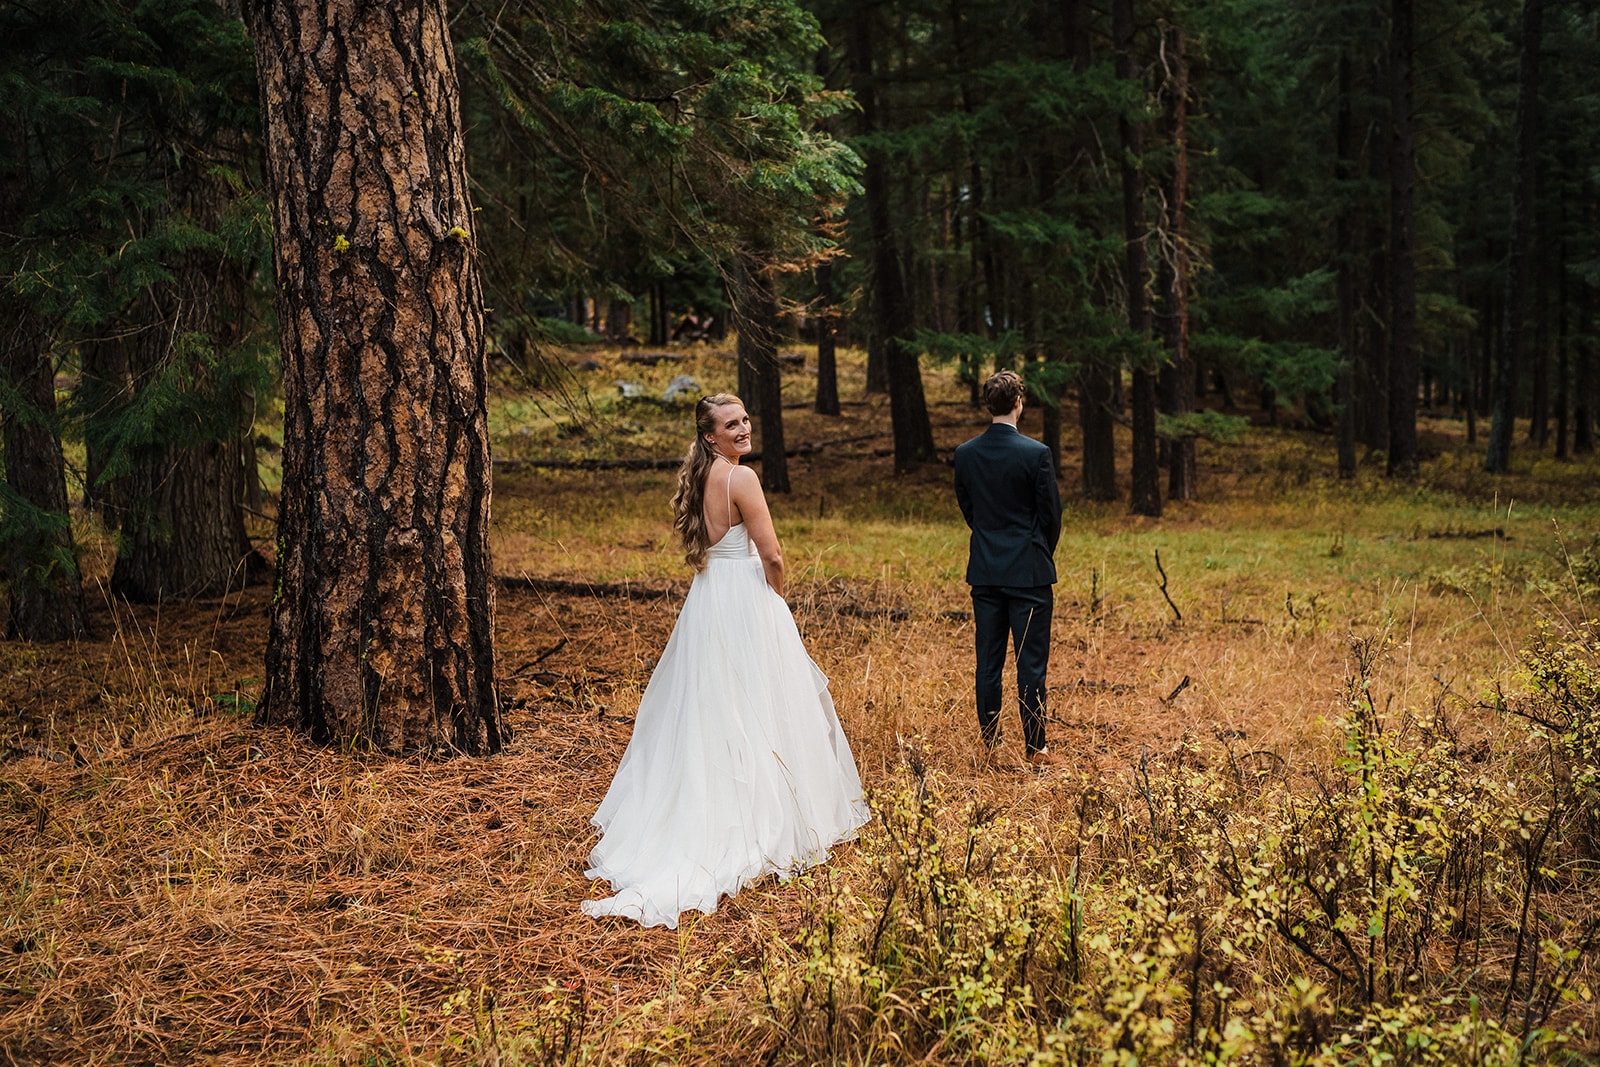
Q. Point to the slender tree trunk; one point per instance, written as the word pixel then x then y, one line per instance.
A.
pixel 982 248
pixel 1402 244
pixel 1145 493
pixel 1096 385
pixel 619 319
pixel 913 432
pixel 1372 372
pixel 383 620
pixel 1345 296
pixel 1583 375
pixel 1523 189
pixel 1539 356
pixel 1095 399
pixel 747 377
pixel 1488 330
pixel 1177 376
pixel 1563 359
pixel 46 591
pixel 827 326
pixel 755 319
pixel 659 329
pixel 1469 393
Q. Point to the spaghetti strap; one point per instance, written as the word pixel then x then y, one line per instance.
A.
pixel 730 497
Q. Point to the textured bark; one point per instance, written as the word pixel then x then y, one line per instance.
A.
pixel 1145 492
pixel 1177 376
pixel 1497 459
pixel 382 621
pixel 891 305
pixel 1402 244
pixel 755 318
pixel 42 576
pixel 183 531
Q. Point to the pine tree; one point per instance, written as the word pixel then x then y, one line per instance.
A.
pixel 382 621
pixel 1523 192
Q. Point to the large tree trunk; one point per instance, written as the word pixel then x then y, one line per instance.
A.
pixel 891 306
pixel 382 621
pixel 1145 494
pixel 755 318
pixel 1402 245
pixel 1497 459
pixel 1177 376
pixel 39 556
pixel 180 502
pixel 41 562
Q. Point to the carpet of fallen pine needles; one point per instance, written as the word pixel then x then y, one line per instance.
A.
pixel 182 885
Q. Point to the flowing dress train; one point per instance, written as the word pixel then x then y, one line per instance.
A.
pixel 737 767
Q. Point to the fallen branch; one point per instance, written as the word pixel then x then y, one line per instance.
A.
pixel 628 590
pixel 1468 535
pixel 1177 616
pixel 665 463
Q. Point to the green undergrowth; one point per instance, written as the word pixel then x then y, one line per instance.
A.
pixel 1410 901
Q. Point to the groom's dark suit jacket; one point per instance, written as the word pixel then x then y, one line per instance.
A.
pixel 1007 491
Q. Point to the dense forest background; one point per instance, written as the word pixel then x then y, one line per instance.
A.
pixel 1305 295
pixel 1169 214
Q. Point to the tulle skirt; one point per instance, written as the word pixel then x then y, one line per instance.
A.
pixel 737 767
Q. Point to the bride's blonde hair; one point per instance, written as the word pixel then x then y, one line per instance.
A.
pixel 688 501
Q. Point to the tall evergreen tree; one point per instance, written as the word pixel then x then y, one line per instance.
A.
pixel 382 624
pixel 755 318
pixel 1403 370
pixel 1497 459
pixel 1145 494
pixel 893 324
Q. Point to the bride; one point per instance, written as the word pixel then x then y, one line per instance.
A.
pixel 737 767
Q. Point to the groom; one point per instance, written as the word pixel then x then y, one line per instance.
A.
pixel 1007 491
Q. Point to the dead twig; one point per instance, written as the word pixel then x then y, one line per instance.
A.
pixel 1177 616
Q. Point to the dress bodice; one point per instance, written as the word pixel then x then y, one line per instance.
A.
pixel 735 544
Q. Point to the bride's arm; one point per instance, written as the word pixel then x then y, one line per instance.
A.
pixel 752 505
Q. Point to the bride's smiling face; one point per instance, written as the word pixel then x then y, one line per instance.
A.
pixel 731 435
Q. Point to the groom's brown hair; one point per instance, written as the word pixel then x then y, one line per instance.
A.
pixel 1001 390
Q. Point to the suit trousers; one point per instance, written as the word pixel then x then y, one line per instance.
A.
pixel 1024 613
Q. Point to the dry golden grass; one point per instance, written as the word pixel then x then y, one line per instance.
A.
pixel 182 886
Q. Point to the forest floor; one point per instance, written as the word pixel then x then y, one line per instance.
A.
pixel 181 885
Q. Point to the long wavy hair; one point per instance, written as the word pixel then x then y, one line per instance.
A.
pixel 689 499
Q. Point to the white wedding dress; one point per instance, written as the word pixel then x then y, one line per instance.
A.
pixel 737 767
